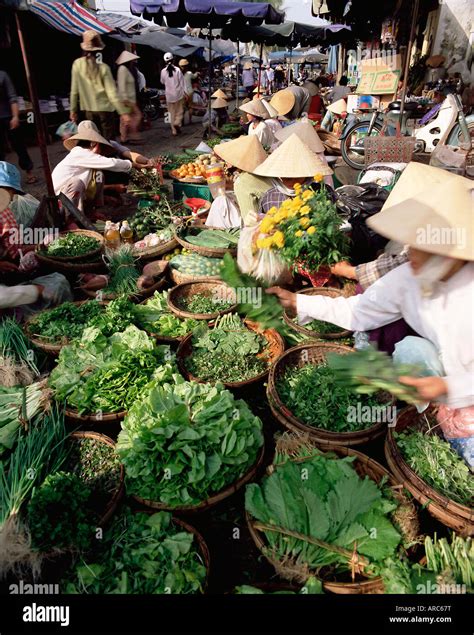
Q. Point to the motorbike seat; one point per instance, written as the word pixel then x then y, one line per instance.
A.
pixel 410 106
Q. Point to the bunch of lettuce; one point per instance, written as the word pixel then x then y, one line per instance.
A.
pixel 109 374
pixel 183 443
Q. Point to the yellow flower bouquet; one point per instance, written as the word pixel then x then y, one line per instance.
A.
pixel 305 230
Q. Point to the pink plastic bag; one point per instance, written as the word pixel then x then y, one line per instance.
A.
pixel 456 423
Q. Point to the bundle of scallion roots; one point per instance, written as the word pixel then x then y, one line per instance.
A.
pixel 17 358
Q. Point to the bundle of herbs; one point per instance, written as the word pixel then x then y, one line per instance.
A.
pixel 227 352
pixel 204 304
pixel 154 316
pixel 141 554
pixel 453 560
pixel 183 442
pixel 17 358
pixel 123 270
pixel 64 322
pixel 72 245
pixel 99 374
pixel 313 397
pixel 213 238
pixel 146 181
pixel 155 216
pixel 436 462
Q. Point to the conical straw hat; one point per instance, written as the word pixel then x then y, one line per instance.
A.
pixel 272 112
pixel 259 89
pixel 5 198
pixel 304 129
pixel 219 94
pixel 431 210
pixel 283 101
pixel 219 103
pixel 126 56
pixel 255 107
pixel 338 107
pixel 86 131
pixel 293 159
pixel 245 153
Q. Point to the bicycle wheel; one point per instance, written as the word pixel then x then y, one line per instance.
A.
pixel 352 146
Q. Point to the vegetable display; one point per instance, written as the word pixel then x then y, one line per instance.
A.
pixel 124 274
pixel 108 374
pixel 18 402
pixel 196 265
pixel 321 327
pixel 214 238
pixel 313 586
pixel 155 215
pixel 201 303
pixel 182 443
pixel 454 559
pixel 228 352
pixel 155 317
pixel 64 322
pixel 366 371
pixel 141 554
pixel 437 463
pixel 115 317
pixel 312 396
pixel 17 359
pixel 72 244
pixel 145 181
pixel 325 522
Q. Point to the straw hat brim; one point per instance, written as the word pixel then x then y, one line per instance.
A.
pixel 183 63
pixel 305 131
pixel 293 159
pixel 86 135
pixel 437 219
pixel 272 112
pixel 338 107
pixel 219 103
pixel 4 199
pixel 256 108
pixel 126 56
pixel 245 153
pixel 283 101
pixel 219 94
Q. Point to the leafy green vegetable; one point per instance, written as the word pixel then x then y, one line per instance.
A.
pixel 435 461
pixel 227 352
pixel 141 554
pixel 313 586
pixel 59 515
pixel 453 559
pixel 122 265
pixel 15 402
pixel 214 238
pixel 366 371
pixel 64 322
pixel 182 443
pixel 72 244
pixel 100 374
pixel 205 304
pixel 321 327
pixel 116 317
pixel 311 394
pixel 14 345
pixel 155 317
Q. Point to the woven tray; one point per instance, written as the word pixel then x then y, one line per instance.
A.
pixel 325 291
pixel 158 250
pixel 205 287
pixel 204 251
pixel 78 259
pixel 180 278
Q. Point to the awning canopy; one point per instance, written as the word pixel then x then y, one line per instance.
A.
pixel 199 13
pixel 286 33
pixel 159 39
pixel 69 17
pixel 298 56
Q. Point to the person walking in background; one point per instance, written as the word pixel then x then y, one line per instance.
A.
pixel 10 126
pixel 279 77
pixel 128 90
pixel 341 91
pixel 93 89
pixel 189 77
pixel 248 79
pixel 173 80
pixel 270 79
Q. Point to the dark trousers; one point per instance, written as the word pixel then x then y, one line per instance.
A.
pixel 105 121
pixel 17 143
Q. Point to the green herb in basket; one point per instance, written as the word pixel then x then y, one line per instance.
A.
pixel 312 396
pixel 72 244
pixel 205 304
pixel 122 265
pixel 214 239
pixel 64 322
pixel 155 317
pixel 319 326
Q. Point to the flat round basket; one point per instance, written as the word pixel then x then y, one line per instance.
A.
pixel 211 252
pixel 300 356
pixel 112 417
pixel 364 466
pixel 310 334
pixel 275 347
pixel 179 278
pixel 452 514
pixel 215 498
pixel 92 266
pixel 208 288
pixel 77 259
pixel 158 250
pixel 136 297
pixel 118 493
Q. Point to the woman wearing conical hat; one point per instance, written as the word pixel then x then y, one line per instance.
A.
pixel 128 90
pixel 433 293
pixel 256 116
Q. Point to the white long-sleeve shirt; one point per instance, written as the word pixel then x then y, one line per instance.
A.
pixel 174 85
pixel 79 164
pixel 445 319
pixel 263 133
pixel 17 295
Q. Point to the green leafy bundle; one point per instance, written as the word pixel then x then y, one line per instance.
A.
pixel 205 304
pixel 182 443
pixel 321 327
pixel 316 512
pixel 65 322
pixel 215 238
pixel 254 303
pixel 17 361
pixel 368 370
pixel 72 244
pixel 313 397
pixel 25 402
pixel 435 461
pixel 59 515
pixel 116 317
pixel 155 317
pixel 141 554
pixel 452 559
pixel 228 352
pixel 100 374
pixel 124 274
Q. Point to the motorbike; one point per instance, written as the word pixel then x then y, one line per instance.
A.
pixel 448 125
pixel 150 103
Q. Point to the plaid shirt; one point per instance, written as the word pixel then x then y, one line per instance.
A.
pixel 369 272
pixel 9 245
pixel 272 198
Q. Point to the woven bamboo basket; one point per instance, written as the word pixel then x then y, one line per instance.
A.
pixel 136 297
pixel 113 417
pixel 95 266
pixel 450 513
pixel 275 347
pixel 330 293
pixel 158 250
pixel 181 278
pixel 300 356
pixel 215 498
pixel 118 493
pixel 82 257
pixel 184 291
pixel 210 252
pixel 364 466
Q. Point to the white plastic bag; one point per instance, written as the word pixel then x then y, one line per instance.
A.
pixel 263 264
pixel 224 213
pixel 24 209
